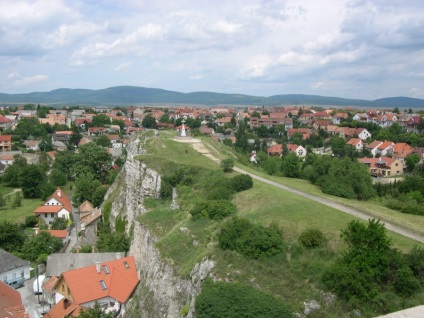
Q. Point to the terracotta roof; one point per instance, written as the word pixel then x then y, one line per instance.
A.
pixel 373 161
pixel 48 286
pixel 6 138
pixel 278 148
pixel 113 137
pixel 385 145
pixel 11 303
pixel 62 198
pixel 64 132
pixel 57 233
pixel 86 206
pixel 292 147
pixel 51 154
pixel 7 157
pixel 48 209
pixel 353 141
pixel 402 148
pixel 64 308
pixel 85 283
pixel 374 144
pixel 4 120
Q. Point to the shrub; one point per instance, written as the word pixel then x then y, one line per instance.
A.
pixel 227 165
pixel 251 240
pixel 222 191
pixel 242 182
pixel 229 300
pixel 214 210
pixel 165 188
pixel 312 238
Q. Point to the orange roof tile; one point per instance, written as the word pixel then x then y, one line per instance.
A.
pixel 278 148
pixel 11 302
pixel 64 308
pixel 374 144
pixel 60 196
pixel 6 138
pixel 84 283
pixel 385 145
pixel 49 209
pixel 402 148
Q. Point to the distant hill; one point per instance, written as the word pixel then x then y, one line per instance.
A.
pixel 121 95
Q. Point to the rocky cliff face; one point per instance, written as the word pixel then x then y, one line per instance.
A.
pixel 161 292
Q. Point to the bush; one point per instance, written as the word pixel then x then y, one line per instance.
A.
pixel 241 182
pixel 227 165
pixel 312 238
pixel 228 300
pixel 222 191
pixel 251 240
pixel 214 210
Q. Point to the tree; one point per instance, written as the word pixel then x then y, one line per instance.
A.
pixel 30 180
pixel 411 161
pixel 11 175
pixel 100 120
pixel 59 224
pixel 242 143
pixel 85 186
pixel 291 165
pixel 75 137
pixel 95 312
pixel 227 165
pixel 91 158
pixel 98 196
pixel 57 177
pixel 102 141
pixel 43 243
pixel 149 121
pixel 11 236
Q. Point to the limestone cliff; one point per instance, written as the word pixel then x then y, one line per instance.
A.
pixel 161 292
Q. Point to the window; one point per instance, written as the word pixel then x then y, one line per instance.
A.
pixel 52 215
pixel 105 269
pixel 126 265
pixel 103 284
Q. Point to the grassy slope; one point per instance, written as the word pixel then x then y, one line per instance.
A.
pixel 294 277
pixel 18 214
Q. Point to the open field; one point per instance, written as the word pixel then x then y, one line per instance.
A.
pixel 18 214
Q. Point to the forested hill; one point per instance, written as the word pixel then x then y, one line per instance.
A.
pixel 141 95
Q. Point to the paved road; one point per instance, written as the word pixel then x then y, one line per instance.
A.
pixel 30 301
pixel 337 206
pixel 356 213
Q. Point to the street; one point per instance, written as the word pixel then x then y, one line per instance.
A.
pixel 30 301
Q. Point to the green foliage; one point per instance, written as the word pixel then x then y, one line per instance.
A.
pixel 95 312
pixel 241 182
pixel 252 240
pixel 312 238
pixel 2 200
pixel 272 165
pixel 100 120
pixel 30 179
pixel 64 161
pixel 415 260
pixel 227 165
pixel 166 188
pixel 98 196
pixel 102 141
pixel 46 189
pixel 85 188
pixel 11 237
pixel 31 221
pixel 59 224
pixel 228 300
pixel 112 242
pixel 214 210
pixel 291 166
pixel 369 266
pixel 184 310
pixel 57 177
pixel 411 161
pixel 43 243
pixel 149 122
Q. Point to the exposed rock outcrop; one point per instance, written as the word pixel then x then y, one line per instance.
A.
pixel 161 292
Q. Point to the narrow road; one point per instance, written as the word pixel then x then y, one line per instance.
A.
pixel 337 206
pixel 356 213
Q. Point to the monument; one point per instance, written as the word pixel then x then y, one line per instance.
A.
pixel 183 131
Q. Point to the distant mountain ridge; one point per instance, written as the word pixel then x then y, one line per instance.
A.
pixel 120 95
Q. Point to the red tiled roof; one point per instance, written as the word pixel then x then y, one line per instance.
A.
pixel 402 148
pixel 64 132
pixel 353 141
pixel 48 209
pixel 385 145
pixel 113 137
pixel 4 120
pixel 84 283
pixel 57 233
pixel 374 144
pixel 6 157
pixel 11 302
pixel 6 138
pixel 64 308
pixel 62 199
pixel 278 148
pixel 292 147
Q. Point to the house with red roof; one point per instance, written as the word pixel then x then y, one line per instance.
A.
pixel 11 303
pixel 6 122
pixel 339 117
pixel 373 147
pixel 275 150
pixel 105 283
pixel 385 148
pixel 383 167
pixel 356 143
pixel 64 308
pixel 298 150
pixel 401 150
pixel 305 132
pixel 56 206
pixel 5 142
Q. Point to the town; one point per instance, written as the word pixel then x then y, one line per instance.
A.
pixel 69 157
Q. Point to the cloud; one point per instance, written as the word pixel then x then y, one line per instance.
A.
pixel 18 80
pixel 122 66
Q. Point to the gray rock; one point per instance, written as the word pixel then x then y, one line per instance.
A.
pixel 311 306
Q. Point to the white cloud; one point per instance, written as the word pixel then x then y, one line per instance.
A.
pixel 122 66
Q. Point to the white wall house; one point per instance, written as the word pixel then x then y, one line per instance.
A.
pixel 12 267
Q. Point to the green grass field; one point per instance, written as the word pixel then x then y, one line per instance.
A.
pixel 18 214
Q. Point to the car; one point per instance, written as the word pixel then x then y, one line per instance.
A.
pixel 16 282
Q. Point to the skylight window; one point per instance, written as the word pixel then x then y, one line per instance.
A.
pixel 105 269
pixel 126 265
pixel 103 284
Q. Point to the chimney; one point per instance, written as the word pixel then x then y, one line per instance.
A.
pixel 118 255
pixel 98 267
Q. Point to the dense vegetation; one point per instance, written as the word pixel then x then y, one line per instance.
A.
pixel 226 300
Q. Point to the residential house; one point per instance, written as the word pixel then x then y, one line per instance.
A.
pixel 372 147
pixel 419 151
pixel 363 117
pixel 62 136
pixel 12 267
pixel 412 125
pixel 59 145
pixel 385 148
pixel 222 121
pixel 104 283
pixel 11 303
pixel 32 144
pixel 305 132
pixel 96 131
pixel 363 134
pixel 323 115
pixel 265 121
pixel 306 118
pixel 339 117
pixel 64 308
pixel 53 119
pixel 6 159
pixel 298 150
pixel 356 143
pixel 6 122
pixel 60 234
pixel 288 123
pixel 115 141
pixel 383 167
pixel 322 123
pixel 5 143
pixel 385 120
pixel 275 150
pixel 206 130
pixel 56 206
pixel 401 150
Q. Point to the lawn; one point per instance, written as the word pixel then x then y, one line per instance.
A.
pixel 18 214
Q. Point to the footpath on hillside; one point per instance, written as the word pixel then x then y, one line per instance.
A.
pixel 200 147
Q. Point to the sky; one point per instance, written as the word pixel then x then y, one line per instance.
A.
pixel 352 49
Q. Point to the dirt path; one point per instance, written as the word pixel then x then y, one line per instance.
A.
pixel 356 213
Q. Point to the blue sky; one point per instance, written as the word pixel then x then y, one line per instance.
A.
pixel 354 49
